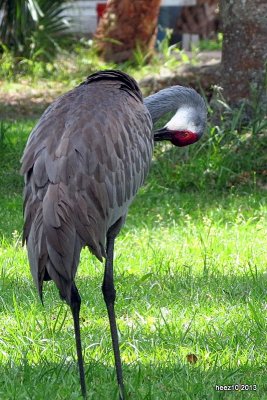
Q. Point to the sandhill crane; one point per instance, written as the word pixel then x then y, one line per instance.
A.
pixel 83 165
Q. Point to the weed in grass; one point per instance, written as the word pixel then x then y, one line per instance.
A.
pixel 211 44
pixel 7 63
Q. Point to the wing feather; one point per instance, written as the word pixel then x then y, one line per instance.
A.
pixel 83 165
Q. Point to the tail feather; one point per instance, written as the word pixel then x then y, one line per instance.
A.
pixel 62 241
pixel 53 243
pixel 56 228
pixel 37 251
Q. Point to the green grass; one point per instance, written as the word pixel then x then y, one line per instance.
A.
pixel 78 60
pixel 211 44
pixel 191 278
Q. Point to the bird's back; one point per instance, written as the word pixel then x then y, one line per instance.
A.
pixel 83 164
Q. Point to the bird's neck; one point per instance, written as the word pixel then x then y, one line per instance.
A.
pixel 167 100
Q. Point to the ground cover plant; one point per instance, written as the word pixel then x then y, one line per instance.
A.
pixel 191 280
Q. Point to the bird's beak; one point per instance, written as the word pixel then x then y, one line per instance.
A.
pixel 162 134
pixel 177 138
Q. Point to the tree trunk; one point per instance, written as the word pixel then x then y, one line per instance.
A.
pixel 126 25
pixel 244 52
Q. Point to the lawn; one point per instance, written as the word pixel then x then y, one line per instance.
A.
pixel 191 282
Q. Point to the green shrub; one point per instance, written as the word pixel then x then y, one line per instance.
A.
pixel 33 28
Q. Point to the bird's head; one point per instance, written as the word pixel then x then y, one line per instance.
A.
pixel 185 127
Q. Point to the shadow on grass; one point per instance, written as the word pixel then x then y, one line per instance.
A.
pixel 26 102
pixel 170 205
pixel 206 183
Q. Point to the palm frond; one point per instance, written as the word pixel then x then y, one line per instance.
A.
pixel 33 26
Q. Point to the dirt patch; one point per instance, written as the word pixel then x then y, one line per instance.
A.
pixel 23 101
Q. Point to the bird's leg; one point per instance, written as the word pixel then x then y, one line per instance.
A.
pixel 109 293
pixel 75 304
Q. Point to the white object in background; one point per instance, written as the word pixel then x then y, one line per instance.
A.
pixel 189 40
pixel 178 3
pixel 83 16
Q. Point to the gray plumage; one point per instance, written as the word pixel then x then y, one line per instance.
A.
pixel 83 165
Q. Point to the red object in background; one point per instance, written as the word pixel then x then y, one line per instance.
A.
pixel 100 9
